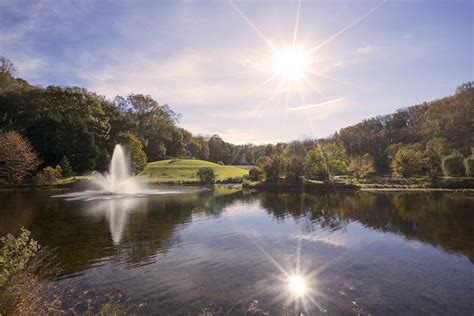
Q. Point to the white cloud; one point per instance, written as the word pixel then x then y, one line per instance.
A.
pixel 366 50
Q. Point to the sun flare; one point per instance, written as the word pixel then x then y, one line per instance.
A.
pixel 290 63
pixel 297 285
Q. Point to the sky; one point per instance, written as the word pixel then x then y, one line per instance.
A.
pixel 224 65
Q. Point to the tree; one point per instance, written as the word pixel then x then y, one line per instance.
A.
pixel 361 166
pixel 103 160
pixel 273 167
pixel 66 169
pixel 218 149
pixel 134 147
pixel 6 66
pixel 435 151
pixel 206 175
pixel 469 166
pixel 453 165
pixel 17 157
pixel 154 124
pixel 408 162
pixel 294 154
pixel 325 160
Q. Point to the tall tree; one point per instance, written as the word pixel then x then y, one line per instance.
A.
pixel 17 157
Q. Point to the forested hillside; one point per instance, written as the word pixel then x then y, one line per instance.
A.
pixel 78 129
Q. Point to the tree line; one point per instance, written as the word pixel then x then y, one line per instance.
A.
pixel 77 130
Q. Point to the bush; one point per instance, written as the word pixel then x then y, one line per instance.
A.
pixel 255 174
pixel 16 253
pixel 206 175
pixel 23 267
pixel 469 166
pixel 48 175
pixel 453 165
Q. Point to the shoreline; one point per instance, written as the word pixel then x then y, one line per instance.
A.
pixel 306 186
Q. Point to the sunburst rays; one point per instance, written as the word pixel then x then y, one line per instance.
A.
pixel 293 64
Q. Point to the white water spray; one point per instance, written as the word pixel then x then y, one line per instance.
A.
pixel 118 180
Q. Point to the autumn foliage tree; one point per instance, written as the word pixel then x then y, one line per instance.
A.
pixel 361 166
pixel 17 157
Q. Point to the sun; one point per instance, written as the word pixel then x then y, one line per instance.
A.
pixel 290 63
pixel 297 285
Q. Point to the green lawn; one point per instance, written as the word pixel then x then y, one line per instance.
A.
pixel 184 170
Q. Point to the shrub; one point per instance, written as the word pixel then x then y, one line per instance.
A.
pixel 255 174
pixel 469 166
pixel 48 175
pixel 453 165
pixel 206 175
pixel 23 266
pixel 16 253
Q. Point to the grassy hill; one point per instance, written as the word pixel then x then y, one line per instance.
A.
pixel 184 170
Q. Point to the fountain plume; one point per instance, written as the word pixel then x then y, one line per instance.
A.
pixel 119 179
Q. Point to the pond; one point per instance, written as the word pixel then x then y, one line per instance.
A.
pixel 224 251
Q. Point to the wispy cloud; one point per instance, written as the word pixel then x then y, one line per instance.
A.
pixel 366 50
pixel 310 106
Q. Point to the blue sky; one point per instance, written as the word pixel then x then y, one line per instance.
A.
pixel 212 61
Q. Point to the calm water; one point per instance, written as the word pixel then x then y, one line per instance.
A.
pixel 225 251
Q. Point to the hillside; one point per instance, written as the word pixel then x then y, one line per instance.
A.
pixel 184 170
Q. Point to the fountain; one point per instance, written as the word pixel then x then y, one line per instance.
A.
pixel 118 180
pixel 116 194
pixel 117 183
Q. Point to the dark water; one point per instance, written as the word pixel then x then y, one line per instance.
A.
pixel 229 252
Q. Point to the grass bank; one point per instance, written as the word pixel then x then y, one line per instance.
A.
pixel 178 171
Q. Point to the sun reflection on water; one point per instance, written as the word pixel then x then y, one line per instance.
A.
pixel 297 285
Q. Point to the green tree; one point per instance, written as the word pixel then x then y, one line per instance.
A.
pixel 66 169
pixel 453 165
pixel 154 124
pixel 103 160
pixel 134 147
pixel 361 166
pixel 325 160
pixel 294 154
pixel 206 175
pixel 273 167
pixel 469 166
pixel 434 151
pixel 408 162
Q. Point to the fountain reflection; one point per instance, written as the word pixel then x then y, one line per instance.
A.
pixel 117 213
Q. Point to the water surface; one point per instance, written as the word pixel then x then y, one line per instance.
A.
pixel 224 251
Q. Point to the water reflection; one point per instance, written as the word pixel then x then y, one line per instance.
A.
pixel 442 220
pixel 117 212
pixel 349 252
